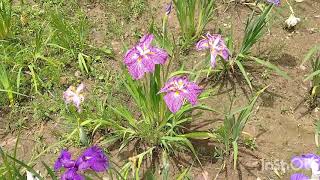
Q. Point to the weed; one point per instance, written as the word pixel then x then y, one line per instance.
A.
pixel 12 168
pixel 233 125
pixel 193 16
pixel 5 19
pixel 314 57
pixel 136 9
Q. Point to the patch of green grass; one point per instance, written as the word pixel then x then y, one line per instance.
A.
pixel 231 131
pixel 314 57
pixel 6 17
pixel 136 9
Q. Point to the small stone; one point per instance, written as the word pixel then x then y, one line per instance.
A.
pixel 63 80
pixel 252 164
pixel 302 67
pixel 312 30
pixel 77 74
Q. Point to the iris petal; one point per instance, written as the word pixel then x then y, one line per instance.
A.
pixel 299 176
pixel 158 56
pixel 213 59
pixel 174 101
pixel 217 47
pixel 93 158
pixel 80 88
pixel 148 64
pixel 137 70
pixel 178 89
pixel 203 44
pixel 64 160
pixel 72 174
pixel 131 56
pixel 146 40
pixel 192 93
pixel 306 161
pixel 143 57
pixel 275 2
pixel 74 95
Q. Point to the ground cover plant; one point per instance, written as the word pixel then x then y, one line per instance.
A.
pixel 138 89
pixel 314 76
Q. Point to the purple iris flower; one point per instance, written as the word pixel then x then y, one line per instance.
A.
pixel 178 89
pixel 216 45
pixel 143 57
pixel 72 174
pixel 275 2
pixel 92 159
pixel 64 161
pixel 169 8
pixel 306 161
pixel 299 176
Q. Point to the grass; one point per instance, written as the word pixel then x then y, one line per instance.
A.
pixel 5 81
pixel 234 123
pixel 6 17
pixel 12 168
pixel 313 57
pixel 193 16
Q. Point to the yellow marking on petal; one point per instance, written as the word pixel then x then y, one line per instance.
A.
pixel 139 60
pixel 72 88
pixel 81 97
pixel 177 93
pixel 180 82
